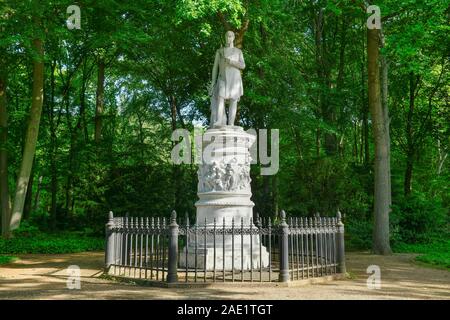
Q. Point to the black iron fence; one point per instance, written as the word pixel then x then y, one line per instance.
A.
pixel 248 251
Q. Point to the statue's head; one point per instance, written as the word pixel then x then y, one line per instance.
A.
pixel 229 37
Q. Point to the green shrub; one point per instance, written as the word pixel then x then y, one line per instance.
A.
pixel 26 229
pixel 441 259
pixel 358 234
pixel 51 243
pixel 28 238
pixel 6 259
pixel 436 253
pixel 417 219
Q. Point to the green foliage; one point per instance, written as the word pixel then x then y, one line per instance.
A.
pixel 358 234
pixel 27 230
pixel 305 76
pixel 195 9
pixel 418 219
pixel 52 243
pixel 29 239
pixel 436 253
pixel 437 258
pixel 414 219
pixel 7 259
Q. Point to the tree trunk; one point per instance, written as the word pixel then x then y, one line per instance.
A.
pixel 382 185
pixel 410 148
pixel 355 141
pixel 318 142
pixel 275 194
pixel 70 177
pixel 100 100
pixel 53 148
pixel 442 157
pixel 29 195
pixel 173 112
pixel 37 195
pixel 31 136
pixel 365 116
pixel 365 134
pixel 343 44
pixel 82 124
pixel 5 201
pixel 387 120
pixel 408 175
pixel 323 74
pixel 268 201
pixel 176 171
pixel 74 135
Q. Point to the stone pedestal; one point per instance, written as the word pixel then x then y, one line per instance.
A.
pixel 224 194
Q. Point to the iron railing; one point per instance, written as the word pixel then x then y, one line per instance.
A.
pixel 248 251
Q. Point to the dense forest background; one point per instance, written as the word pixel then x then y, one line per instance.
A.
pixel 114 90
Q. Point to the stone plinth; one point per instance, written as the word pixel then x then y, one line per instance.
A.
pixel 224 193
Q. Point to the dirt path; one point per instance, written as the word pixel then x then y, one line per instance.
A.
pixel 44 277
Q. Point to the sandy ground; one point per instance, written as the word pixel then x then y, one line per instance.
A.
pixel 44 277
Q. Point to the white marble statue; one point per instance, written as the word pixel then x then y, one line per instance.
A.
pixel 226 84
pixel 224 182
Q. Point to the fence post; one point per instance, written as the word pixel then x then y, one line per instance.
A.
pixel 123 238
pixel 340 244
pixel 172 270
pixel 109 234
pixel 284 249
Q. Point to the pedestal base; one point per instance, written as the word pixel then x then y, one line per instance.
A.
pixel 224 198
pixel 239 260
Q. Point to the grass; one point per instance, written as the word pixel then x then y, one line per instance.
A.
pixel 435 254
pixel 7 259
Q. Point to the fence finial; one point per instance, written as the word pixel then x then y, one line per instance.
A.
pixel 172 261
pixel 283 215
pixel 186 218
pixel 283 275
pixel 256 219
pixel 340 243
pixel 109 232
pixel 173 216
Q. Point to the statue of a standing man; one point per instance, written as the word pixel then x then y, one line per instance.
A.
pixel 226 84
